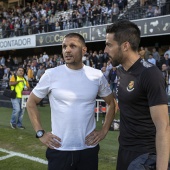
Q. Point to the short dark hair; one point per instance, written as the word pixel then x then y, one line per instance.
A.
pixel 125 30
pixel 80 37
pixel 19 68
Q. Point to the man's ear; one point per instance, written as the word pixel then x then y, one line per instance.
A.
pixel 125 46
pixel 84 50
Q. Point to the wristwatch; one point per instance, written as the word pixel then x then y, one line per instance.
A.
pixel 40 133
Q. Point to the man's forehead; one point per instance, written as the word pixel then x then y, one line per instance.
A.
pixel 110 35
pixel 71 40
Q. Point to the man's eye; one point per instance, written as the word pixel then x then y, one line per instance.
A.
pixel 72 46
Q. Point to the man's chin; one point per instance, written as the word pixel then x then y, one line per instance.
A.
pixel 69 62
pixel 115 63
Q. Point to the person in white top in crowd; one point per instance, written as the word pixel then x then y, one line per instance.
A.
pixel 151 59
pixel 167 52
pixel 73 142
pixel 45 57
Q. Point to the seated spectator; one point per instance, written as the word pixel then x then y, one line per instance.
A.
pixel 157 11
pixel 151 59
pixel 166 60
pixel 167 52
pixel 150 12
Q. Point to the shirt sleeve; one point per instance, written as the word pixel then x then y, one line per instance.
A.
pixel 43 86
pixel 153 84
pixel 104 89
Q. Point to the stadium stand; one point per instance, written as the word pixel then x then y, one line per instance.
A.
pixel 47 16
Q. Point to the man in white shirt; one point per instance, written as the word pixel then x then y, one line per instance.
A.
pixel 72 89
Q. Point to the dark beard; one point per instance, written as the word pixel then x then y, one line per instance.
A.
pixel 114 63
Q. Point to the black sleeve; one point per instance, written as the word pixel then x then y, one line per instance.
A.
pixel 153 84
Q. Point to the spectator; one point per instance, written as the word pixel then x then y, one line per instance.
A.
pixel 30 73
pixel 112 79
pixel 95 59
pixel 167 52
pixel 156 56
pixel 114 12
pixel 74 19
pixel 79 19
pixel 1 72
pixel 105 73
pixel 40 72
pixel 104 13
pixel 18 83
pixel 9 62
pixel 60 20
pixel 165 74
pixel 142 52
pixel 100 59
pixel 45 57
pixel 121 5
pixel 5 29
pixel 90 16
pixel 147 52
pixel 157 11
pixel 57 26
pixel 5 81
pixel 2 60
pixel 166 60
pixel 15 61
pixel 151 59
pixel 150 12
pixel 109 66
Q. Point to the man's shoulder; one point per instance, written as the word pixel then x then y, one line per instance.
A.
pixel 55 69
pixel 91 69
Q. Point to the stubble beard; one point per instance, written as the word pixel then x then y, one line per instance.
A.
pixel 117 60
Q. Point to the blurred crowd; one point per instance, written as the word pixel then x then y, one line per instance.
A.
pixel 47 15
pixel 35 66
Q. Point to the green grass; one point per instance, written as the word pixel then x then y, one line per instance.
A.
pixel 24 141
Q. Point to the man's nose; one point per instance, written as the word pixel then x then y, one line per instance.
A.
pixel 68 49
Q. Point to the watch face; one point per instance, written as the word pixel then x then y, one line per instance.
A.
pixel 39 134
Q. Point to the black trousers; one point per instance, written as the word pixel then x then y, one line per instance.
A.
pixel 86 159
pixel 125 157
